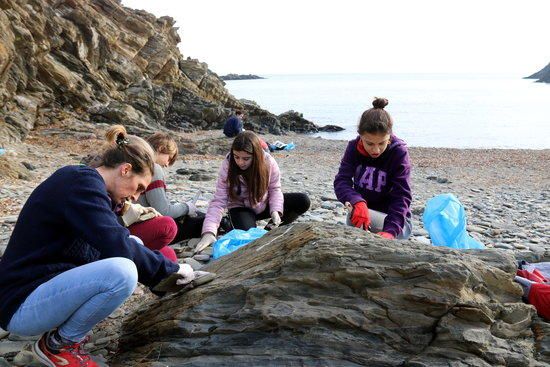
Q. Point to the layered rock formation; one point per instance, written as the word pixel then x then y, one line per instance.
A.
pixel 542 75
pixel 326 295
pixel 95 60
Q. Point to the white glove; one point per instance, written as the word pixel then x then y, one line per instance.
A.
pixel 131 213
pixel 148 213
pixel 206 240
pixel 275 219
pixel 192 209
pixel 187 274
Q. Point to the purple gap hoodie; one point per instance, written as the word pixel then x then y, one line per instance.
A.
pixel 383 182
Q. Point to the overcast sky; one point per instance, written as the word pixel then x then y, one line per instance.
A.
pixel 346 36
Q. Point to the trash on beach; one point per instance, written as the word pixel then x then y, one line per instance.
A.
pixel 234 240
pixel 445 220
pixel 278 145
pixel 2 151
pixel 535 281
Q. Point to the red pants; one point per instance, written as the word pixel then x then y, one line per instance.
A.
pixel 156 234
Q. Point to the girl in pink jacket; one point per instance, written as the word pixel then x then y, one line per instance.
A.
pixel 249 186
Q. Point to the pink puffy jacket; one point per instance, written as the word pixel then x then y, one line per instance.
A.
pixel 222 201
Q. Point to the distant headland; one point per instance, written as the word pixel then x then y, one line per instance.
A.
pixel 542 76
pixel 240 77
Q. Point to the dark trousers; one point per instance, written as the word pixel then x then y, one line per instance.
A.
pixel 189 227
pixel 295 204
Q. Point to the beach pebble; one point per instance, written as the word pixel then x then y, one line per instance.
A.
pixel 201 177
pixel 194 263
pixel 26 358
pixel 201 257
pixel 503 246
pixel 422 239
pixel 328 205
pixel 29 166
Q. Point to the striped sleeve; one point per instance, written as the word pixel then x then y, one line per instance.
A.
pixel 155 196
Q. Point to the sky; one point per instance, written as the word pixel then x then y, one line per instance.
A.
pixel 354 36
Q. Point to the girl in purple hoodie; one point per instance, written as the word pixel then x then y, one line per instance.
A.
pixel 374 176
pixel 249 186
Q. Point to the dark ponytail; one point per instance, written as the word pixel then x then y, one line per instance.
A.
pixel 376 120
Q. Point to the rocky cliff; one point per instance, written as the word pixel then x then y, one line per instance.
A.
pixel 327 295
pixel 542 75
pixel 95 60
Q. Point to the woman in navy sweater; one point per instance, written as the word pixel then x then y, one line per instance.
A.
pixel 69 263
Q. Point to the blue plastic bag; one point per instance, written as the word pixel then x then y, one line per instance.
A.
pixel 235 239
pixel 445 220
pixel 289 146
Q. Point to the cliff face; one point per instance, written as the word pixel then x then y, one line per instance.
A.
pixel 542 76
pixel 95 60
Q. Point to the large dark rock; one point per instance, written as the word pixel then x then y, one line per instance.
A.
pixel 542 75
pixel 326 295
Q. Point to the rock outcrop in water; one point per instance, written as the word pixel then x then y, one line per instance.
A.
pixel 326 295
pixel 542 75
pixel 95 60
pixel 240 77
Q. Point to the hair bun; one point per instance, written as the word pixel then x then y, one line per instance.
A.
pixel 379 102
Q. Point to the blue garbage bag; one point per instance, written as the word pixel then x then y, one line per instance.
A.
pixel 445 220
pixel 235 239
pixel 289 146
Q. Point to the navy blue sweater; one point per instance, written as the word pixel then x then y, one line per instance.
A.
pixel 67 222
pixel 233 126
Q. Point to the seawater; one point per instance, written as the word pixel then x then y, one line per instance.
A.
pixel 430 110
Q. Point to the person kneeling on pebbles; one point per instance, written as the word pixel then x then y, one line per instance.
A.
pixel 188 220
pixel 249 186
pixel 373 180
pixel 69 263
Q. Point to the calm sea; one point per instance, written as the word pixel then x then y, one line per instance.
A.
pixel 430 110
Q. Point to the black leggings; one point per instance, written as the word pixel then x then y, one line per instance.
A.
pixel 295 204
pixel 188 227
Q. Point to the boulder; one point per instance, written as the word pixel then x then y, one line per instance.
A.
pixel 322 294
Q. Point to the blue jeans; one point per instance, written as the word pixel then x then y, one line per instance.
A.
pixel 76 300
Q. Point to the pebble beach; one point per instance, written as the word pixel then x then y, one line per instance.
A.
pixel 506 195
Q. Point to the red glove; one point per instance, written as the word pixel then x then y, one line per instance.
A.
pixel 387 235
pixel 360 215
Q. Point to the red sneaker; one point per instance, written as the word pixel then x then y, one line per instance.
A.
pixel 68 356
